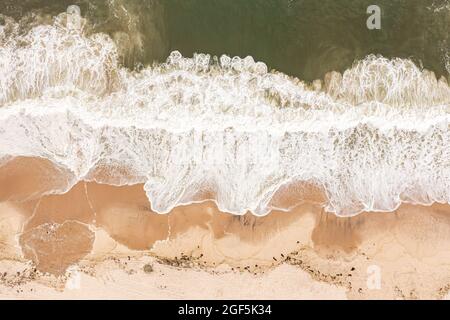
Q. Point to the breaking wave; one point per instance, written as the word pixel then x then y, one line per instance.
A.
pixel 369 138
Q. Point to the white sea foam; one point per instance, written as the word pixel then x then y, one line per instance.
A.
pixel 372 137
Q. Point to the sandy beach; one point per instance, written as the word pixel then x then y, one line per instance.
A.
pixel 102 241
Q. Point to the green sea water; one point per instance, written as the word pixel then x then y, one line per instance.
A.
pixel 303 38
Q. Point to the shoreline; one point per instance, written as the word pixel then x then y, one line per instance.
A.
pixel 93 224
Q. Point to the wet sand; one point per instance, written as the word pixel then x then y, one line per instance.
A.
pixel 96 240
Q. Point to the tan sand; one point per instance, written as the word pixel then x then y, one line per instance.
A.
pixel 24 178
pixel 54 247
pixel 107 234
pixel 111 279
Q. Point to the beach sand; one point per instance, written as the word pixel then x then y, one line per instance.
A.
pixel 102 241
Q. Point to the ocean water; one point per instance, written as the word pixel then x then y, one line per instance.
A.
pixel 236 99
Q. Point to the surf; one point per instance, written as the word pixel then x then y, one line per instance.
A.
pixel 221 128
